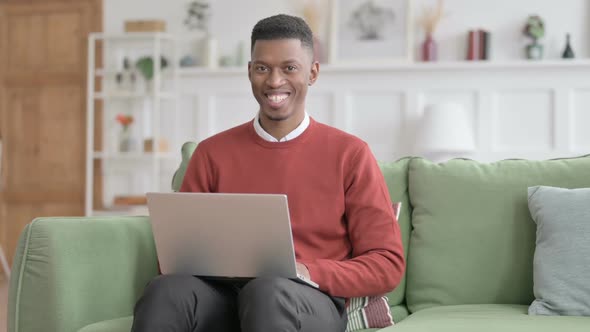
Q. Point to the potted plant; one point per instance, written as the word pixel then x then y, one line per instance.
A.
pixel 535 29
pixel 198 19
pixel 198 16
pixel 145 65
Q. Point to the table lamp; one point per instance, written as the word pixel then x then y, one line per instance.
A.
pixel 444 132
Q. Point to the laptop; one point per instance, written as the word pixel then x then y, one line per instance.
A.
pixel 225 236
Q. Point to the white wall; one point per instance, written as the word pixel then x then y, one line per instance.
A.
pixel 520 109
pixel 232 21
pixel 505 18
pixel 517 109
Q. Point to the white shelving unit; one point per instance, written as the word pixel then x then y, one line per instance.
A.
pixel 152 103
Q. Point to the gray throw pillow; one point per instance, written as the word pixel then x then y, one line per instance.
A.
pixel 561 267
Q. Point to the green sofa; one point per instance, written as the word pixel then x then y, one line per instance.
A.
pixel 466 227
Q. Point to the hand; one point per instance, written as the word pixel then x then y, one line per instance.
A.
pixel 302 270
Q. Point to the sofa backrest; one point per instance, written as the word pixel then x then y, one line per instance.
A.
pixel 186 151
pixel 473 238
pixel 396 177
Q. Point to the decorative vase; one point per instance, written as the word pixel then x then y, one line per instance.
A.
pixel 429 52
pixel 568 52
pixel 534 51
pixel 125 140
pixel 211 52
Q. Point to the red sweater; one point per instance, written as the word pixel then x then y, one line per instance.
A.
pixel 344 229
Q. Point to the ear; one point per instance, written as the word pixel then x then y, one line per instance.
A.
pixel 315 72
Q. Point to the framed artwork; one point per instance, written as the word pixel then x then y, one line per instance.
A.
pixel 370 31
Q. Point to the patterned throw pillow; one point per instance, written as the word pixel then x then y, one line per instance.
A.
pixel 370 311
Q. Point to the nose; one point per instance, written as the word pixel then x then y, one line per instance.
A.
pixel 275 79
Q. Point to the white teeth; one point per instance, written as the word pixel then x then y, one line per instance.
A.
pixel 277 98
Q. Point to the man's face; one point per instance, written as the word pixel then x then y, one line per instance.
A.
pixel 280 72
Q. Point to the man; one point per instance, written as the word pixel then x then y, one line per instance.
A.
pixel 345 233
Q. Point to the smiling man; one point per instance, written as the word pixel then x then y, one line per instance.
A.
pixel 345 234
pixel 280 72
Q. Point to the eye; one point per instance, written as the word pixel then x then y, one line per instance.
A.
pixel 291 68
pixel 261 68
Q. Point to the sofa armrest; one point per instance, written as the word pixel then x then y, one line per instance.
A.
pixel 71 272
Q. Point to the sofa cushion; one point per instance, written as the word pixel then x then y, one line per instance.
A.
pixel 114 325
pixel 124 325
pixel 486 318
pixel 473 238
pixel 70 271
pixel 396 177
pixel 368 312
pixel 561 268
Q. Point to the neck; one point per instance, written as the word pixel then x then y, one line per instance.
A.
pixel 280 129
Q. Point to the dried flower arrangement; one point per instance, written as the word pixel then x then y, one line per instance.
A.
pixel 431 17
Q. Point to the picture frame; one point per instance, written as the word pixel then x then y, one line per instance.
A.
pixel 371 31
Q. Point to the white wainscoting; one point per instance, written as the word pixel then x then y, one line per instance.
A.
pixel 520 109
pixel 516 110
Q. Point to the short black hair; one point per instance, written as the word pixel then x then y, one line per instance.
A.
pixel 282 27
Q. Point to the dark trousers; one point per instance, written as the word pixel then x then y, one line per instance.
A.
pixel 190 304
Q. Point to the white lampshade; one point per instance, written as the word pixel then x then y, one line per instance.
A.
pixel 445 128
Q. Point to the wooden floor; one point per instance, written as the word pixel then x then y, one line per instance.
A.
pixel 3 301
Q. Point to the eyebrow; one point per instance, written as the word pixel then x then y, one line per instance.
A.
pixel 288 61
pixel 291 61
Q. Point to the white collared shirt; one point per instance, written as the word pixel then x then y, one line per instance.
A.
pixel 268 137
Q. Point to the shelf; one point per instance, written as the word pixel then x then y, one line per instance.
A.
pixel 101 72
pixel 409 66
pixel 459 65
pixel 134 95
pixel 133 36
pixel 136 155
pixel 147 100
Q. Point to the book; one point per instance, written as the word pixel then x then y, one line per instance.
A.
pixel 472 46
pixel 478 45
pixel 484 44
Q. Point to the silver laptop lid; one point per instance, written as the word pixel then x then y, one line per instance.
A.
pixel 223 235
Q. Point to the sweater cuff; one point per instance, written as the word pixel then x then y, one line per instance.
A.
pixel 314 271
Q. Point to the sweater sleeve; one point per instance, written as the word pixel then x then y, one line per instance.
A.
pixel 377 262
pixel 199 175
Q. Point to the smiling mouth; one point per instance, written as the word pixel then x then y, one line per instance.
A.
pixel 277 99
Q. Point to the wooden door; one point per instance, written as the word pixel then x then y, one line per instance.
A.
pixel 43 47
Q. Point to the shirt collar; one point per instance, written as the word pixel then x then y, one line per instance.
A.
pixel 268 137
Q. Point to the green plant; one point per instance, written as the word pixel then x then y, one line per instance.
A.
pixel 534 27
pixel 145 65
